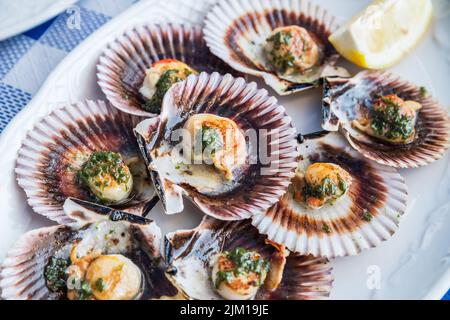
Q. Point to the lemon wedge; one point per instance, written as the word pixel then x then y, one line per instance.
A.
pixel 383 33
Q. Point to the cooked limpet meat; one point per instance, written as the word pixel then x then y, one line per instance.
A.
pixel 321 183
pixel 104 254
pixel 392 120
pixel 107 176
pixel 291 49
pixel 386 118
pixel 339 202
pixel 232 260
pixel 222 143
pixel 217 141
pixel 239 273
pixel 159 78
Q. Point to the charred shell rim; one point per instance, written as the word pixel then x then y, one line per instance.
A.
pixel 226 96
pixel 121 68
pixel 304 277
pixel 232 24
pixel 365 216
pixel 433 125
pixel 50 153
pixel 22 271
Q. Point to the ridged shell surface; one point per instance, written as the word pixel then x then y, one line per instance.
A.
pixel 263 181
pixel 367 214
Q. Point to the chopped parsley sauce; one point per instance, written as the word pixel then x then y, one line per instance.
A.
pixel 100 285
pixel 367 216
pixel 423 92
pixel 56 279
pixel 326 228
pixel 85 291
pixel 243 262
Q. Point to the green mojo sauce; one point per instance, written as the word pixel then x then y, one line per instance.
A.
pixel 244 262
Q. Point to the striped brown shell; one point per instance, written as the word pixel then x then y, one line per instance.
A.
pixel 55 149
pixel 121 68
pixel 188 253
pixel 366 215
pixel 345 99
pixel 262 182
pixel 22 271
pixel 236 30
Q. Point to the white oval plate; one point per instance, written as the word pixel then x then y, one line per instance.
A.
pixel 414 264
pixel 21 15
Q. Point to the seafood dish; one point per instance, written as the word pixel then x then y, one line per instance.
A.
pixel 188 121
pixel 86 151
pixel 138 68
pixel 387 119
pixel 338 203
pixel 214 165
pixel 231 260
pixel 285 43
pixel 101 255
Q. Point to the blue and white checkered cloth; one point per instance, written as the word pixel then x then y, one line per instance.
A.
pixel 27 59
